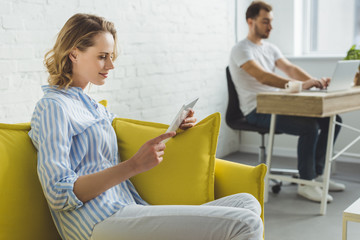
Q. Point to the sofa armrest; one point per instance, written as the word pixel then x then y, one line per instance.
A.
pixel 232 178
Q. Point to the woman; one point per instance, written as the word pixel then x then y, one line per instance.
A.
pixel 88 190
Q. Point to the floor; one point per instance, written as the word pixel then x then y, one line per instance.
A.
pixel 291 217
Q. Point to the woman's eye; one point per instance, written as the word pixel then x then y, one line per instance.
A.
pixel 102 57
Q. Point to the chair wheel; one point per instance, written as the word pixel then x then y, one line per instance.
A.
pixel 276 189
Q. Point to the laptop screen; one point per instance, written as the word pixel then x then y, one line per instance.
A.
pixel 343 77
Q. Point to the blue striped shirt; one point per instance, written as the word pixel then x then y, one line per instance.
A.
pixel 74 137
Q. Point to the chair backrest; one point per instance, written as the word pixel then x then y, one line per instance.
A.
pixel 233 112
pixel 235 118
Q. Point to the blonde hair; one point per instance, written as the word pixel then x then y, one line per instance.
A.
pixel 78 32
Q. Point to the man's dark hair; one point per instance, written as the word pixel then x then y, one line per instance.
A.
pixel 255 7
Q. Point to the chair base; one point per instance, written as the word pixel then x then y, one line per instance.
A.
pixel 281 171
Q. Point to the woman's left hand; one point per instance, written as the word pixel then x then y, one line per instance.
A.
pixel 189 121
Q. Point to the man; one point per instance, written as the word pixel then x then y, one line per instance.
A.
pixel 252 65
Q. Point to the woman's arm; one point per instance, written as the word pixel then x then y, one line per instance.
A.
pixel 149 155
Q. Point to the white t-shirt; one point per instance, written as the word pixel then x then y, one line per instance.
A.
pixel 247 86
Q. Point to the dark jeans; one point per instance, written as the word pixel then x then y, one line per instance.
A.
pixel 312 143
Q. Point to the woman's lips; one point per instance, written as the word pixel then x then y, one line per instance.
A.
pixel 104 75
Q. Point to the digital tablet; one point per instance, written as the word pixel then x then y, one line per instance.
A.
pixel 183 112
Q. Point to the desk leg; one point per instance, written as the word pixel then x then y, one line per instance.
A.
pixel 344 229
pixel 328 159
pixel 269 154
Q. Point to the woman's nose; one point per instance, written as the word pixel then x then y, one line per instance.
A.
pixel 109 64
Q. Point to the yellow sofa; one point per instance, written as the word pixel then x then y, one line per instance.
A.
pixel 24 213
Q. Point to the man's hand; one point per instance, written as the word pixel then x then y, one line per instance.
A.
pixel 150 154
pixel 322 83
pixel 189 121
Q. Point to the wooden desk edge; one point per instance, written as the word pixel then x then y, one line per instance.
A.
pixel 317 104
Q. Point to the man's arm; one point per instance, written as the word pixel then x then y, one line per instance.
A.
pixel 292 70
pixel 268 78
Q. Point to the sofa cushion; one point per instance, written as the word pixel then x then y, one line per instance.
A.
pixel 186 174
pixel 24 213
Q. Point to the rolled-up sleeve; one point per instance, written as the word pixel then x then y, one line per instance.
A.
pixel 54 137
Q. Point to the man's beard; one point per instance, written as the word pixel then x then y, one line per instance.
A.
pixel 261 35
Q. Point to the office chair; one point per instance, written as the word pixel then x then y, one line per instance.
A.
pixel 236 120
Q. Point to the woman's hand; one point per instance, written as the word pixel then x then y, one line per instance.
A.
pixel 189 121
pixel 150 154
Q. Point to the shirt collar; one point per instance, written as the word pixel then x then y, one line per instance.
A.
pixel 72 91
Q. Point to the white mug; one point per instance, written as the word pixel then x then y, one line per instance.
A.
pixel 293 86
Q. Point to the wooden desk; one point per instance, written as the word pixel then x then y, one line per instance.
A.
pixel 308 104
pixel 352 213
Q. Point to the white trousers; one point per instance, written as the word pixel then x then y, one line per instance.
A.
pixel 235 217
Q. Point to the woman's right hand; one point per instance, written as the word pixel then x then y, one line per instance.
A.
pixel 150 154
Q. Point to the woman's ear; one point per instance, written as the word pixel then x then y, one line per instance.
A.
pixel 73 55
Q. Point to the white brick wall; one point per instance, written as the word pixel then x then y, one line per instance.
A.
pixel 171 52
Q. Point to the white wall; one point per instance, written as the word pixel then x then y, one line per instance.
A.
pixel 283 33
pixel 171 52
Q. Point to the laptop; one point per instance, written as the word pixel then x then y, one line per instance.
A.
pixel 343 77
